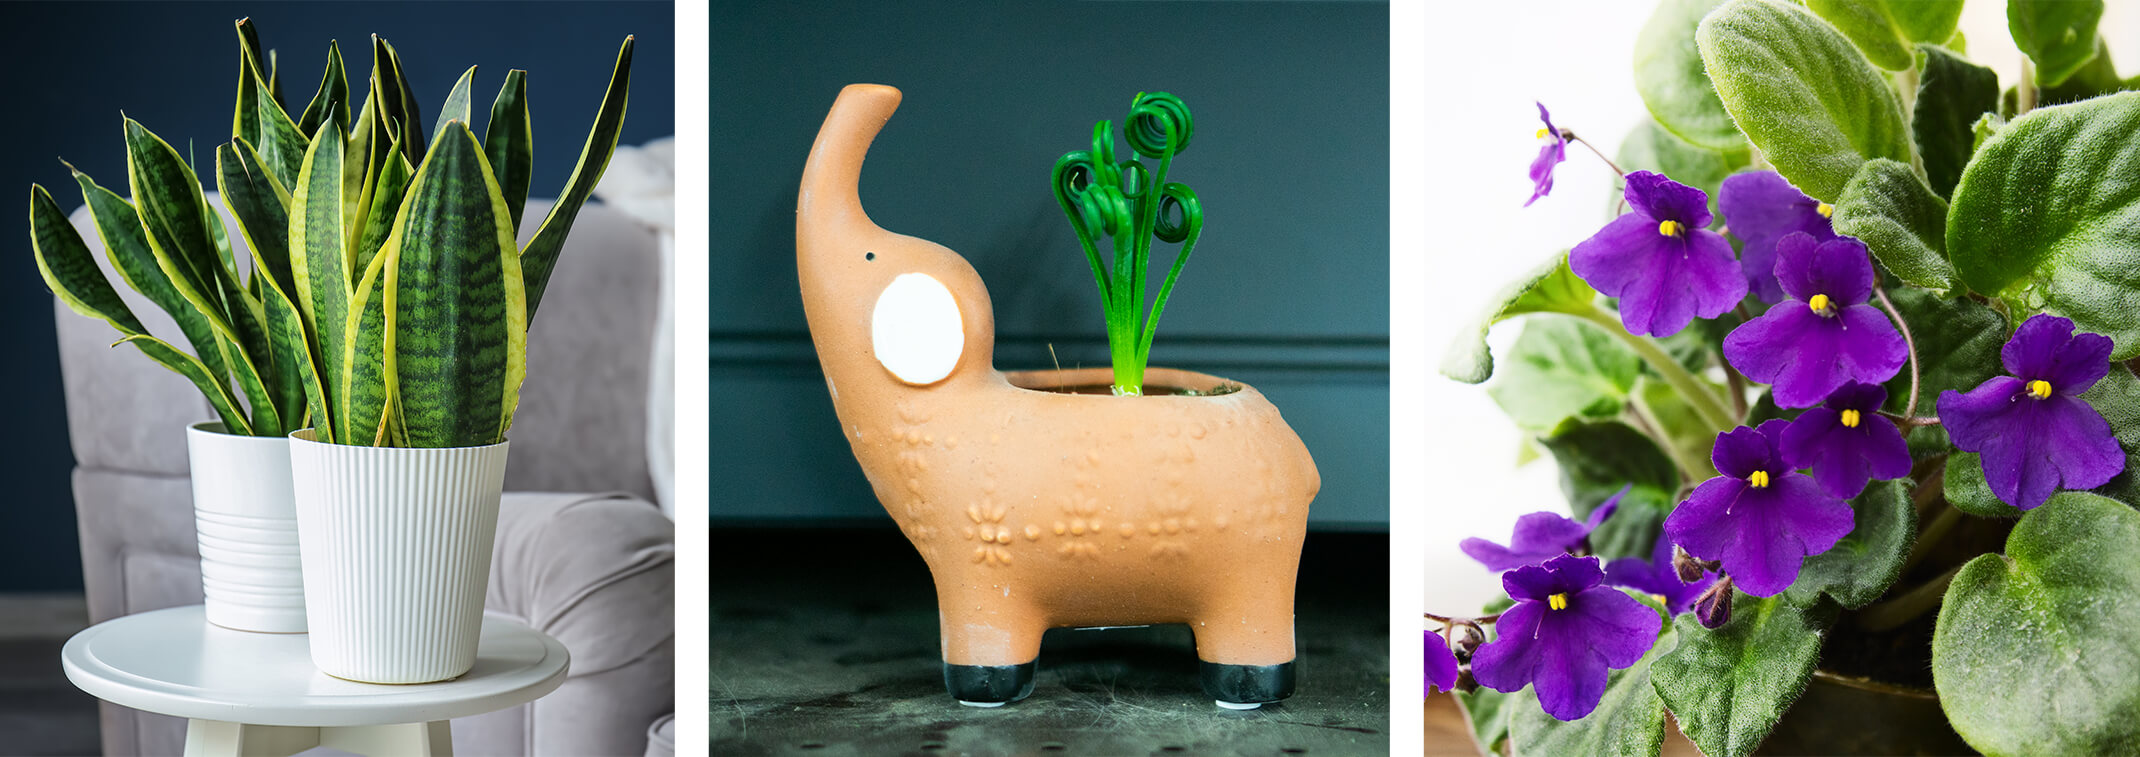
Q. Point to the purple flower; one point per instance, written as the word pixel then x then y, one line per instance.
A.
pixel 1761 209
pixel 1441 664
pixel 1563 635
pixel 1661 259
pixel 1540 537
pixel 1550 154
pixel 1846 442
pixel 1760 519
pixel 2034 432
pixel 1827 334
pixel 1657 577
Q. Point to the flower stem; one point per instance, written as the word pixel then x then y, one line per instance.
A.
pixel 1689 470
pixel 1704 402
pixel 1570 136
pixel 2025 90
pixel 1933 533
pixel 1737 383
pixel 1917 601
pixel 1909 410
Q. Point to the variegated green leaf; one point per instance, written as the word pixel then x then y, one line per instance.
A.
pixel 245 118
pixel 226 406
pixel 396 102
pixel 69 269
pixel 168 198
pixel 320 265
pixel 286 337
pixel 509 142
pixel 457 324
pixel 385 202
pixel 357 153
pixel 261 205
pixel 540 257
pixel 282 144
pixel 332 98
pixel 364 384
pixel 458 102
pixel 126 243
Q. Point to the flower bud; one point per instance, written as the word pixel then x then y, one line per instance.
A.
pixel 1713 607
pixel 1689 569
pixel 1468 638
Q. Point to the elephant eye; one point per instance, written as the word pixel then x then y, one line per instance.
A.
pixel 869 256
pixel 916 330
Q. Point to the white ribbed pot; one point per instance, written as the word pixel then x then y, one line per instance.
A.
pixel 246 518
pixel 397 546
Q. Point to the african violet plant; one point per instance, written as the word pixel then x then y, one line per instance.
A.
pixel 1846 383
pixel 388 301
pixel 1132 206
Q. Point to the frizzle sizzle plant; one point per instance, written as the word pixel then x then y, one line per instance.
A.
pixel 387 302
pixel 1132 206
pixel 1872 412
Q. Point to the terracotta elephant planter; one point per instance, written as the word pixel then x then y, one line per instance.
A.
pixel 1036 506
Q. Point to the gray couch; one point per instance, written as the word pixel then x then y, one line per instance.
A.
pixel 594 570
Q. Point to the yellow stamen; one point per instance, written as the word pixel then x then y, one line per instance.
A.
pixel 1826 210
pixel 1542 133
pixel 2040 389
pixel 1557 601
pixel 1670 228
pixel 1851 418
pixel 1759 479
pixel 1819 303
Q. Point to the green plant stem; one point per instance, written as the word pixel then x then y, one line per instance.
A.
pixel 2025 90
pixel 1736 382
pixel 1917 601
pixel 1646 419
pixel 1933 532
pixel 1704 402
pixel 1909 410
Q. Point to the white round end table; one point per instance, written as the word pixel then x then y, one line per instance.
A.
pixel 258 693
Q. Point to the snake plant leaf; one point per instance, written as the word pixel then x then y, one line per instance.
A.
pixel 126 243
pixel 262 206
pixel 226 406
pixel 540 257
pixel 1900 220
pixel 320 264
pixel 1669 76
pixel 1730 685
pixel 245 118
pixel 1802 92
pixel 458 102
pixel 282 144
pixel 2047 217
pixel 357 152
pixel 2052 617
pixel 379 211
pixel 1951 96
pixel 397 102
pixel 286 338
pixel 364 382
pixel 250 353
pixel 2059 35
pixel 69 269
pixel 456 331
pixel 332 99
pixel 509 142
pixel 167 196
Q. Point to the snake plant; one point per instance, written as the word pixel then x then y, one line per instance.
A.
pixel 387 303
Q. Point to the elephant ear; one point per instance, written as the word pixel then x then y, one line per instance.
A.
pixel 916 330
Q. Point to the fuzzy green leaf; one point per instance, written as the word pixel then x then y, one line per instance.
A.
pixel 540 257
pixel 1562 368
pixel 509 142
pixel 2036 651
pixel 456 331
pixel 1598 459
pixel 1729 686
pixel 1861 567
pixel 2117 398
pixel 1669 76
pixel 2059 35
pixel 1550 288
pixel 1488 712
pixel 2047 216
pixel 1802 93
pixel 1884 29
pixel 1958 341
pixel 1951 96
pixel 1900 220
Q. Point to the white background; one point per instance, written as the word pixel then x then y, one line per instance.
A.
pixel 1463 78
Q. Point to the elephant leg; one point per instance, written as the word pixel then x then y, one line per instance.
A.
pixel 1244 645
pixel 990 644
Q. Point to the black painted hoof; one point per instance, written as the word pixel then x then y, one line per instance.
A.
pixel 1245 687
pixel 996 685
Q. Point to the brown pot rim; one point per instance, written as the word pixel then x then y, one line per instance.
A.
pixel 1876 687
pixel 1051 379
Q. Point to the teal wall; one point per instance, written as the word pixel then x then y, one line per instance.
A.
pixel 1288 289
pixel 72 67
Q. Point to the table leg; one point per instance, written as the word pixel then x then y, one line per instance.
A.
pixel 215 738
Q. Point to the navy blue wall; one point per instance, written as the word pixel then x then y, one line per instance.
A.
pixel 71 68
pixel 1288 289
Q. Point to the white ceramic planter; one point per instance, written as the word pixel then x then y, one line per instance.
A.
pixel 397 547
pixel 246 516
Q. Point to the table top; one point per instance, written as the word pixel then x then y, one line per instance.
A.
pixel 174 662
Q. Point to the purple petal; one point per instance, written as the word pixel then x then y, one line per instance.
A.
pixel 1656 576
pixel 1777 527
pixel 2045 348
pixel 1701 524
pixel 1864 397
pixel 1510 661
pixel 1620 629
pixel 1839 268
pixel 1805 356
pixel 1441 664
pixel 1549 155
pixel 2031 447
pixel 1576 684
pixel 1845 459
pixel 1538 537
pixel 1566 574
pixel 1661 199
pixel 1739 452
pixel 1605 510
pixel 1762 203
pixel 1757 259
pixel 1687 277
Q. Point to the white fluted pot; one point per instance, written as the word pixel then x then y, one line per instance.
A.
pixel 397 546
pixel 245 515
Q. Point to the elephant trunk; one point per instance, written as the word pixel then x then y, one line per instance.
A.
pixel 830 204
